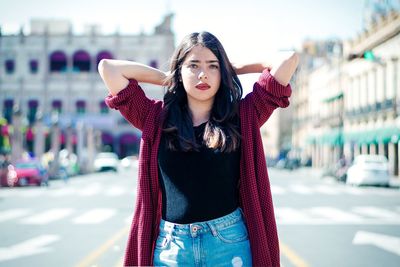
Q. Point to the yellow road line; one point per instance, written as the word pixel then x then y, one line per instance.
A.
pixel 89 260
pixel 295 259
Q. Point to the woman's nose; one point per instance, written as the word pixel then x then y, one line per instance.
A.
pixel 202 75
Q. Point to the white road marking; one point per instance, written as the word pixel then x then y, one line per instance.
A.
pixel 335 214
pixel 329 190
pixel 12 214
pixel 377 212
pixel 385 242
pixel 94 216
pixel 115 191
pixel 90 190
pixel 277 190
pixel 291 215
pixel 47 216
pixel 301 189
pixel 61 192
pixel 28 247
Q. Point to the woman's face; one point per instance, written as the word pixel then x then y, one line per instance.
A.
pixel 201 75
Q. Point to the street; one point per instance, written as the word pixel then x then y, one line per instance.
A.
pixel 86 221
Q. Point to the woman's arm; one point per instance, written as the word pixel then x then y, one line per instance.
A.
pixel 282 69
pixel 250 68
pixel 116 74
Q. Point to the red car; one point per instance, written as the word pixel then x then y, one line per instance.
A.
pixel 26 173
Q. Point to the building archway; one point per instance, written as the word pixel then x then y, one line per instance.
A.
pixel 81 61
pixel 129 144
pixel 58 61
pixel 103 55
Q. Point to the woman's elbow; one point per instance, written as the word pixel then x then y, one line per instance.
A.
pixel 103 66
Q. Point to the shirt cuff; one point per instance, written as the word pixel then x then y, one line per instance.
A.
pixel 122 97
pixel 269 83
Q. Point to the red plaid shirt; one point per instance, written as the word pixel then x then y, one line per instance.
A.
pixel 254 188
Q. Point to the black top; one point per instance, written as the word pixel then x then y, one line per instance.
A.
pixel 198 186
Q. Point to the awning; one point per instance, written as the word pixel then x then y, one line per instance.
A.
pixel 333 98
pixel 333 137
pixel 383 135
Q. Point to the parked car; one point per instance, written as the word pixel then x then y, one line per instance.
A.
pixel 106 161
pixel 129 162
pixel 369 170
pixel 27 172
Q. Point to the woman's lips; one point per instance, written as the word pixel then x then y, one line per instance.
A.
pixel 203 86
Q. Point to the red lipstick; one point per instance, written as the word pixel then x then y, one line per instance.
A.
pixel 203 86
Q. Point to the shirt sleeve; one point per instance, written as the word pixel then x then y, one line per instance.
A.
pixel 132 103
pixel 267 95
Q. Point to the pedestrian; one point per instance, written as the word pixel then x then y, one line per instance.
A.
pixel 203 196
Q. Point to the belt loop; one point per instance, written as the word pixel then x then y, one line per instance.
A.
pixel 213 228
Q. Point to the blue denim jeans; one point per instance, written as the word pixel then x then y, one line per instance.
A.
pixel 220 242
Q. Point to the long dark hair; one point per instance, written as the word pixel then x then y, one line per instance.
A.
pixel 221 130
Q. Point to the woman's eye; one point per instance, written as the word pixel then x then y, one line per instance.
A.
pixel 214 66
pixel 193 66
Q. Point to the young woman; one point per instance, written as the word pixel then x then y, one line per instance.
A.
pixel 204 197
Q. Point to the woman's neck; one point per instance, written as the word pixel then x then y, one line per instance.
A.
pixel 200 112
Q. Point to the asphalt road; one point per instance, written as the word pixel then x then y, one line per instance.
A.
pixel 86 221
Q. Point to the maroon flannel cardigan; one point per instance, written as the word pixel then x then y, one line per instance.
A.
pixel 254 189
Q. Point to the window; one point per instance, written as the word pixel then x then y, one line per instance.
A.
pixel 8 109
pixel 32 110
pixel 58 62
pixel 103 108
pixel 33 66
pixel 103 55
pixel 57 106
pixel 81 61
pixel 154 64
pixel 80 106
pixel 9 66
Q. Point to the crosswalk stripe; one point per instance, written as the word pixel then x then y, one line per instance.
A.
pixel 115 191
pixel 301 189
pixel 376 212
pixel 290 214
pixel 47 216
pixel 94 216
pixel 329 190
pixel 61 192
pixel 353 191
pixel 335 214
pixel 12 214
pixel 90 190
pixel 277 190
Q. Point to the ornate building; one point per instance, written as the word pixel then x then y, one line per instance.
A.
pixel 348 104
pixel 50 75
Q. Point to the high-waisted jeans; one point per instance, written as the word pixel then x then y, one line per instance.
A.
pixel 220 242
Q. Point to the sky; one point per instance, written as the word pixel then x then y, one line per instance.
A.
pixel 250 28
pixel 250 31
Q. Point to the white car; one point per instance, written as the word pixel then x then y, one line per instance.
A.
pixel 369 170
pixel 129 162
pixel 106 161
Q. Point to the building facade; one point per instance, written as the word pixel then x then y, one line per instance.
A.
pixel 50 75
pixel 349 104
